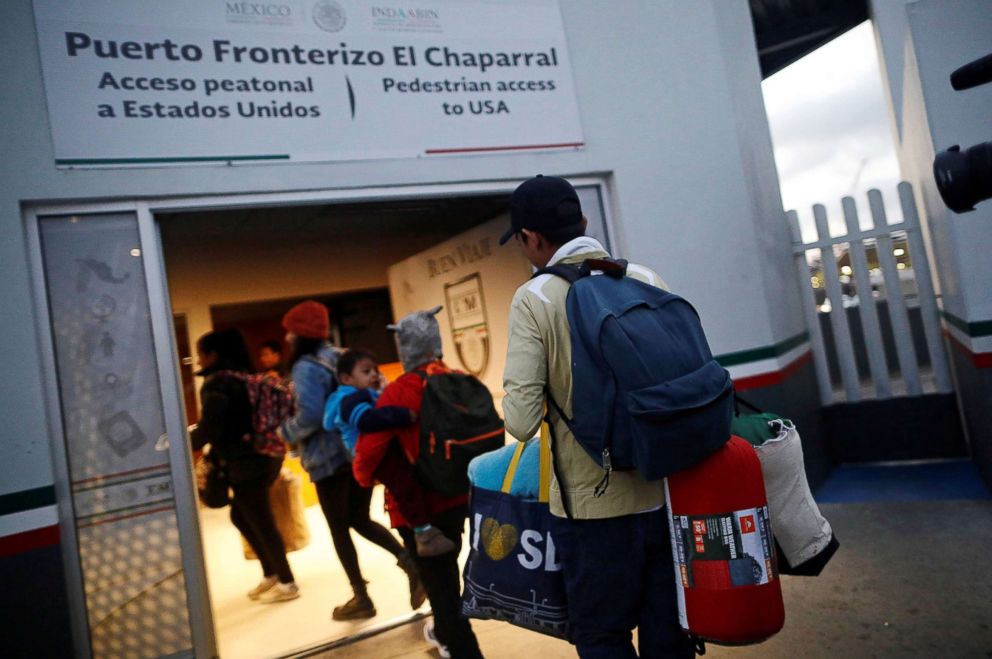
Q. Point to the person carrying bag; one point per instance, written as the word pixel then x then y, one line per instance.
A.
pixel 513 573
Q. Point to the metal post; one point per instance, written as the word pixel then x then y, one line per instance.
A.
pixel 180 459
pixel 820 366
pixel 924 283
pixel 902 334
pixel 69 543
pixel 869 315
pixel 838 315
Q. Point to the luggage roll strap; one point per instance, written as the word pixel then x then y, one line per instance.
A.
pixel 544 468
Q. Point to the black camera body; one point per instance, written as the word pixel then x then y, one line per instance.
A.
pixel 964 178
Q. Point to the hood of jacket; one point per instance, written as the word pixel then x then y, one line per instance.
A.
pixel 332 411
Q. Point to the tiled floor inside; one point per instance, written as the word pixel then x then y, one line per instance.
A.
pixel 250 630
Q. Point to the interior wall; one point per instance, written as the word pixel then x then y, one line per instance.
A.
pixel 204 273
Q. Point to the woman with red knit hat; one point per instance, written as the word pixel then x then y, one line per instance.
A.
pixel 344 502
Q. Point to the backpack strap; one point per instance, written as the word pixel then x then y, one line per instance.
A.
pixel 570 273
pixel 738 401
pixel 607 466
pixel 321 362
pixel 553 436
pixel 615 268
pixel 421 373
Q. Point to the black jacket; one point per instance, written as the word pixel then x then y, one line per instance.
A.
pixel 225 420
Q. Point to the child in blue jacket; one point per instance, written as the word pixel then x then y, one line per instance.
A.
pixel 351 411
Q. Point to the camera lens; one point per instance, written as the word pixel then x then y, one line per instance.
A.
pixel 964 178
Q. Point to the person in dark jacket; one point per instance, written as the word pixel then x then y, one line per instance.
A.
pixel 344 503
pixel 225 422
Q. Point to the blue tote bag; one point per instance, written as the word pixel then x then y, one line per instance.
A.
pixel 513 572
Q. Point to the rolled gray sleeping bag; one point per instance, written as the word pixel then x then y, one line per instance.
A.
pixel 804 537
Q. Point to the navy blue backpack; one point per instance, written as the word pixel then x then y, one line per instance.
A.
pixel 646 391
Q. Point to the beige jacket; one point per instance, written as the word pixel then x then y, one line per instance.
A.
pixel 539 354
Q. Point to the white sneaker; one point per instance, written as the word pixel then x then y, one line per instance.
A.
pixel 432 639
pixel 281 592
pixel 264 586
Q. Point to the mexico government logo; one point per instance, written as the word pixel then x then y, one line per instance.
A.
pixel 329 16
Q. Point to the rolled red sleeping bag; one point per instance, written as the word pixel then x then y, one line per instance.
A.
pixel 726 576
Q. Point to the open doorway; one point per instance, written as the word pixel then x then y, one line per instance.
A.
pixel 244 268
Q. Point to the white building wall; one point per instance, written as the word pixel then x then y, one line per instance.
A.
pixel 937 37
pixel 923 42
pixel 889 21
pixel 672 117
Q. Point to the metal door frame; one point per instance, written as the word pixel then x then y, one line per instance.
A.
pixel 173 406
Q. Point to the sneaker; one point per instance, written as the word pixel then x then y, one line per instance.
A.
pixel 358 607
pixel 431 542
pixel 429 636
pixel 264 586
pixel 281 592
pixel 418 595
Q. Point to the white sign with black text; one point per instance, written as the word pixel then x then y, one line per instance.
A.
pixel 132 83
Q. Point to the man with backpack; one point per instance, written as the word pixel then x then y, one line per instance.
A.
pixel 609 523
pixel 438 450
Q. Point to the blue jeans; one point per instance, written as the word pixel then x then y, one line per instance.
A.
pixel 618 576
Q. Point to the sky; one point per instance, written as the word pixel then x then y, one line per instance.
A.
pixel 831 131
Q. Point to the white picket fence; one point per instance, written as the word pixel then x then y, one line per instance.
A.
pixel 855 388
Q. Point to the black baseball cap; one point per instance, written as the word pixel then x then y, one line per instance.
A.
pixel 543 203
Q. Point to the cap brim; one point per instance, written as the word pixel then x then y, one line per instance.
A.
pixel 506 236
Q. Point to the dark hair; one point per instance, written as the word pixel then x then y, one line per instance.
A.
pixel 562 235
pixel 349 360
pixel 230 348
pixel 275 345
pixel 303 346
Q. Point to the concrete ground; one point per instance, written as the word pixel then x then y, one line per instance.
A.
pixel 910 579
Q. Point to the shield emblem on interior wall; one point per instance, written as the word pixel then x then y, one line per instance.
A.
pixel 469 328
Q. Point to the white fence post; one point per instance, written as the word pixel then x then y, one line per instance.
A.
pixel 898 314
pixel 874 345
pixel 924 283
pixel 820 365
pixel 838 315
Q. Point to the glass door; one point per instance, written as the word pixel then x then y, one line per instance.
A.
pixel 132 518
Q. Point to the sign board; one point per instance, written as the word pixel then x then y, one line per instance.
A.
pixel 185 81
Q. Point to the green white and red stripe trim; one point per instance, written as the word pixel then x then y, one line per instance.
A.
pixel 973 339
pixel 768 365
pixel 28 520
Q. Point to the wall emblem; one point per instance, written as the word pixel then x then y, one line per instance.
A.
pixel 469 327
pixel 329 16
